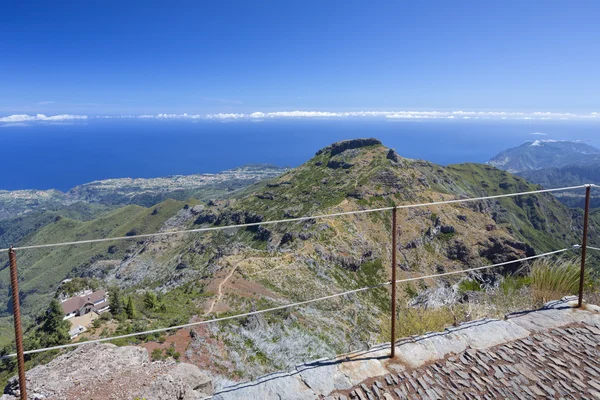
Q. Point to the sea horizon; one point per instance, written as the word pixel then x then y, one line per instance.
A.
pixel 61 156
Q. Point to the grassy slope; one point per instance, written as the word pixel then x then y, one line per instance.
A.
pixel 41 270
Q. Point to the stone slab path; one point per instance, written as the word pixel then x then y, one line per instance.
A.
pixel 551 353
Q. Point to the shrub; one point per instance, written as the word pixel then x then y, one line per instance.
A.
pixel 417 321
pixel 410 291
pixel 150 300
pixel 170 352
pixel 553 279
pixel 469 285
pixel 157 354
pixel 512 284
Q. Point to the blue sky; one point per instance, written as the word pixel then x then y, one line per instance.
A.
pixel 150 57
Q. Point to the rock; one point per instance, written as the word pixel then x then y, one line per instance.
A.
pixel 499 250
pixel 323 377
pixel 197 209
pixel 462 218
pixel 265 196
pixel 262 234
pixel 115 372
pixel 181 266
pixel 392 155
pixel 205 218
pixel 458 251
pixel 304 236
pixel 339 147
pixel 414 244
pixel 61 373
pixel 335 164
pixel 184 382
pixel 287 237
pixel 447 229
pixel 268 387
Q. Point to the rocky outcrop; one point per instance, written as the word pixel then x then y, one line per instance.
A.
pixel 109 371
pixel 339 147
pixel 183 382
pixel 499 250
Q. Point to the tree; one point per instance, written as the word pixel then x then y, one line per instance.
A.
pixel 116 300
pixel 129 309
pixel 54 325
pixel 150 301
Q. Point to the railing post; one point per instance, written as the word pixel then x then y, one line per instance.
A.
pixel 14 284
pixel 586 216
pixel 394 233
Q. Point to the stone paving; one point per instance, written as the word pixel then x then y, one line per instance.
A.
pixel 548 353
pixel 559 363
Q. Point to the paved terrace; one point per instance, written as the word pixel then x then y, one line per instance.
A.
pixel 546 353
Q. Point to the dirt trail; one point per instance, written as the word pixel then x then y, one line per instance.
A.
pixel 220 289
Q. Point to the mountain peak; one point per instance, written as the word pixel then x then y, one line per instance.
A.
pixel 338 147
pixel 546 153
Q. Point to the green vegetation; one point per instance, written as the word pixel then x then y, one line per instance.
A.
pixel 469 285
pixel 130 309
pixel 514 283
pixel 76 285
pixel 42 270
pixel 160 354
pixel 157 354
pixel 553 279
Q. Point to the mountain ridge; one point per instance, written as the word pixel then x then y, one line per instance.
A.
pixel 554 164
pixel 548 153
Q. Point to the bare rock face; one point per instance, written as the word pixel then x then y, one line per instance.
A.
pixel 339 147
pixel 184 382
pixel 109 371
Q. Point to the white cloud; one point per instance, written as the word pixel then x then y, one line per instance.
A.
pixel 539 133
pixel 299 114
pixel 41 118
pixel 42 103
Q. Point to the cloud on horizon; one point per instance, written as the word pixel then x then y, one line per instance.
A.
pixel 260 116
pixel 539 133
pixel 18 118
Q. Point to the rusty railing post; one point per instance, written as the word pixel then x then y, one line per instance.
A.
pixel 394 233
pixel 586 216
pixel 14 285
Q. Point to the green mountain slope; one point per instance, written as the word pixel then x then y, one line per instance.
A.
pixel 237 270
pixel 41 270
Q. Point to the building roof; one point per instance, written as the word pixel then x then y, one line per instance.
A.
pixel 76 302
pixel 546 353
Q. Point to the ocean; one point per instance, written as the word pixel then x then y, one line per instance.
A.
pixel 60 156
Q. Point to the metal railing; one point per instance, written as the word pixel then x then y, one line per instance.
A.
pixel 393 281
